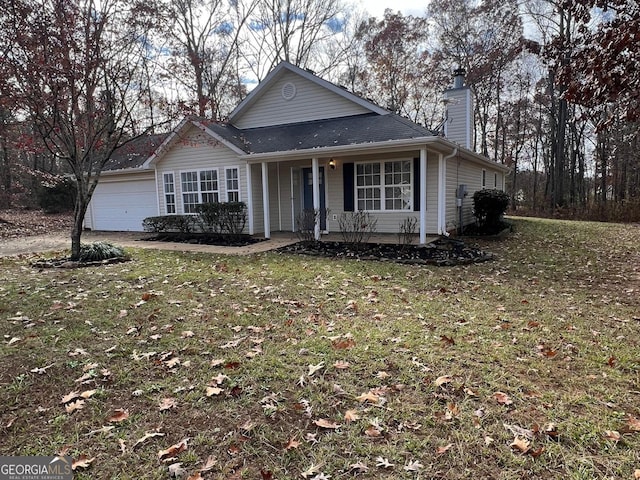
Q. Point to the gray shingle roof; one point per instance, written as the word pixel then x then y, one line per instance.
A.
pixel 332 132
pixel 134 153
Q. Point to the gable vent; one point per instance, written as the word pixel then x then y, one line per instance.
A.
pixel 288 91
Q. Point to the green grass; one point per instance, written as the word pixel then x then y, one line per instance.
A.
pixel 553 323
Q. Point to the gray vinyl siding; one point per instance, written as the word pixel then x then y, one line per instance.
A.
pixel 459 125
pixel 256 190
pixel 193 152
pixel 311 102
pixel 470 174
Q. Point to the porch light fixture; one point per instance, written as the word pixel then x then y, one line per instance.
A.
pixel 332 164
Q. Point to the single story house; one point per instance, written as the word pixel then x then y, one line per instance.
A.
pixel 296 143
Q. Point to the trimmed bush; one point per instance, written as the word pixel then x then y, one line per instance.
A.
pixel 489 206
pixel 170 223
pixel 98 251
pixel 227 218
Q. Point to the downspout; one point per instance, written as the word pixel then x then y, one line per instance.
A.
pixel 442 210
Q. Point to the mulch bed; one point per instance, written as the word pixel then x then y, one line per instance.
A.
pixel 443 252
pixel 205 239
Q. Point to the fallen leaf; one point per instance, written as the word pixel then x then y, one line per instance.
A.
pixel 195 476
pixel 314 368
pixel 70 396
pixel 502 398
pixel 83 461
pixel 636 474
pixel 209 464
pixel 441 450
pixel 368 397
pixel 447 341
pixel 372 432
pixel 292 444
pixel 442 380
pixel 344 344
pixel 519 431
pixel 118 415
pixel 358 467
pixel 383 463
pixel 14 340
pixel 214 391
pixel 266 475
pixel 173 450
pixel 104 429
pixel 88 393
pixel 177 471
pixel 612 435
pixel 73 406
pixel 341 365
pixel 351 416
pixel 147 436
pixel 41 370
pixel 324 423
pixel 520 444
pixel 311 470
pixel 633 424
pixel 413 466
pixel 123 446
pixel 167 404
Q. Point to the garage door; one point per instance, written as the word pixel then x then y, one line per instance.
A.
pixel 121 206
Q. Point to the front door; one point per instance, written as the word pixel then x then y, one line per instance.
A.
pixel 307 196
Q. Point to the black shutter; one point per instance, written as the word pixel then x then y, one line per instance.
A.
pixel 416 184
pixel 347 178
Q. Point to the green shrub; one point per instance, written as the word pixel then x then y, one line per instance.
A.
pixel 225 218
pixel 489 206
pixel 170 223
pixel 95 252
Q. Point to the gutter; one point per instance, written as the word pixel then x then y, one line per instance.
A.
pixel 442 192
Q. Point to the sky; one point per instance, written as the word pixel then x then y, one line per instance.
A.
pixel 407 7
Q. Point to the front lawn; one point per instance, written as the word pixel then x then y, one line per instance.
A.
pixel 277 366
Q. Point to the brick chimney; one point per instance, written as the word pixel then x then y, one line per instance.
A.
pixel 458 126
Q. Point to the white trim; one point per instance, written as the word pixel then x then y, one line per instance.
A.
pixel 423 195
pixel 280 69
pixel 279 197
pixel 199 191
pixel 156 173
pixel 250 201
pixel 442 194
pixel 226 187
pixel 165 193
pixel 383 185
pixel 265 200
pixel 315 172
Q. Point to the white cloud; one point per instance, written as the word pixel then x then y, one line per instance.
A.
pixel 376 8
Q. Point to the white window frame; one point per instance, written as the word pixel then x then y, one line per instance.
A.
pixel 383 185
pixel 198 192
pixel 169 193
pixel 236 179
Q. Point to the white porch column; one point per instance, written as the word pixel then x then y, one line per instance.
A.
pixel 442 195
pixel 265 200
pixel 250 201
pixel 316 196
pixel 423 196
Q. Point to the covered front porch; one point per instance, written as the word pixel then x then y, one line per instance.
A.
pixel 282 188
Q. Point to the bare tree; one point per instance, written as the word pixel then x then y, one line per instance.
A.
pixel 291 30
pixel 76 69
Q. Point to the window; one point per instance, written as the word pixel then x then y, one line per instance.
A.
pixel 390 190
pixel 232 176
pixel 484 178
pixel 495 180
pixel 169 193
pixel 198 187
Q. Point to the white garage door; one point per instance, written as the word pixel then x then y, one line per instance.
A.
pixel 121 206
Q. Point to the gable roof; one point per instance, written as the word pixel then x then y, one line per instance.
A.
pixel 284 67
